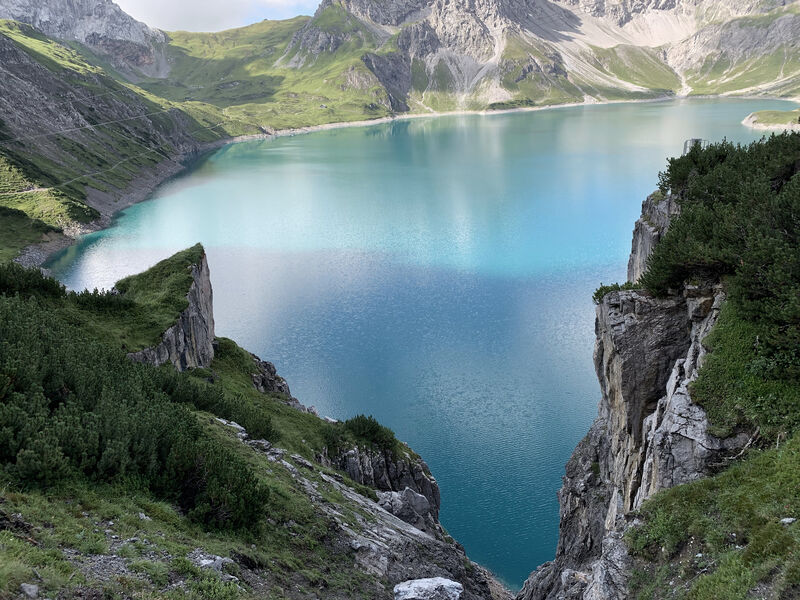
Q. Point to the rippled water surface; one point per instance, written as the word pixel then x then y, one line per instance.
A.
pixel 436 273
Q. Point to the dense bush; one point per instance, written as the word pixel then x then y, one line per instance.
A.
pixel 15 279
pixel 368 429
pixel 740 222
pixel 72 407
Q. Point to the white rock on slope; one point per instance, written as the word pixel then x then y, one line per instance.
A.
pixel 435 588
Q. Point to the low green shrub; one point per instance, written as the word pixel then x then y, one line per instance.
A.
pixel 604 290
pixel 369 430
pixel 72 407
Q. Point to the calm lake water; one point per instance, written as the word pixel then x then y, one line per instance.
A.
pixel 436 273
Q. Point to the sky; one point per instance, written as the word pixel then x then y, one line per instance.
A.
pixel 213 15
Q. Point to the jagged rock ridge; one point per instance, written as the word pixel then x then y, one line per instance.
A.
pixel 494 51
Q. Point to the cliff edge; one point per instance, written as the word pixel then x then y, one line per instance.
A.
pixel 648 435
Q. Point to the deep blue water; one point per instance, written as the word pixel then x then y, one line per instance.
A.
pixel 436 273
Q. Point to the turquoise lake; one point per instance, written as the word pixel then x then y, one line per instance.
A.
pixel 436 273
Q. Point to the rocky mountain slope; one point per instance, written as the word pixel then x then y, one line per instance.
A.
pixel 361 59
pixel 440 53
pixel 78 144
pixel 344 509
pixel 101 26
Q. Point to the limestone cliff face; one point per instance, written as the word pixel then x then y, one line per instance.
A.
pixel 190 342
pixel 654 222
pixel 648 435
pixel 99 24
pixel 404 483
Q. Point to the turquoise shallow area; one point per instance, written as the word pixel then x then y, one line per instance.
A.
pixel 436 273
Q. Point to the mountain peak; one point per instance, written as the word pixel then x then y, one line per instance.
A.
pixel 100 25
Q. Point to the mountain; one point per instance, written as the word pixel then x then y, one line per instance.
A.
pixel 475 53
pixel 99 25
pixel 362 59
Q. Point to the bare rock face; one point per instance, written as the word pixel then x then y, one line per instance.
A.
pixel 267 381
pixel 402 481
pixel 657 211
pixel 190 342
pixel 99 24
pixel 648 435
pixel 434 588
pixel 413 508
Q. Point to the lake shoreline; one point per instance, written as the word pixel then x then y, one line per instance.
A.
pixel 144 185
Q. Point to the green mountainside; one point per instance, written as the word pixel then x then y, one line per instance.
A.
pixel 125 480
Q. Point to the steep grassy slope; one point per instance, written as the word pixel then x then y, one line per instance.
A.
pixel 723 537
pixel 255 74
pixel 119 479
pixel 73 138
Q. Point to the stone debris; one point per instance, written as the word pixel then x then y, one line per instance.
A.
pixel 241 432
pixel 433 588
pixel 29 590
pixel 212 562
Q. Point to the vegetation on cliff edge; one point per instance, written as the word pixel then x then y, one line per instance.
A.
pixel 735 534
pixel 88 440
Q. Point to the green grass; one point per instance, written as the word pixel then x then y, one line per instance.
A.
pixel 17 231
pixel 733 521
pixel 162 289
pixel 640 66
pixel 247 73
pixel 778 117
pixel 288 547
pixel 46 51
pixel 148 305
pixel 741 385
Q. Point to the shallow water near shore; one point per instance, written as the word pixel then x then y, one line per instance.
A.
pixel 436 273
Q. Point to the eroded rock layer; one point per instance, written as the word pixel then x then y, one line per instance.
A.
pixel 648 435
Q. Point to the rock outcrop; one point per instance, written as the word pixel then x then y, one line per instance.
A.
pixel 190 342
pixel 406 558
pixel 404 483
pixel 413 508
pixel 266 379
pixel 657 210
pixel 434 588
pixel 648 435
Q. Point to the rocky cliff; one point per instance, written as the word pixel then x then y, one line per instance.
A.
pixel 648 435
pixel 189 343
pixel 100 25
pixel 506 51
pixel 406 488
pixel 654 222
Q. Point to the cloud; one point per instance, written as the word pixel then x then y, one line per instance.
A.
pixel 212 15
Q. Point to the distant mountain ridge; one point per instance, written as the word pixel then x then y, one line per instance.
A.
pixel 543 51
pixel 100 25
pixel 439 55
